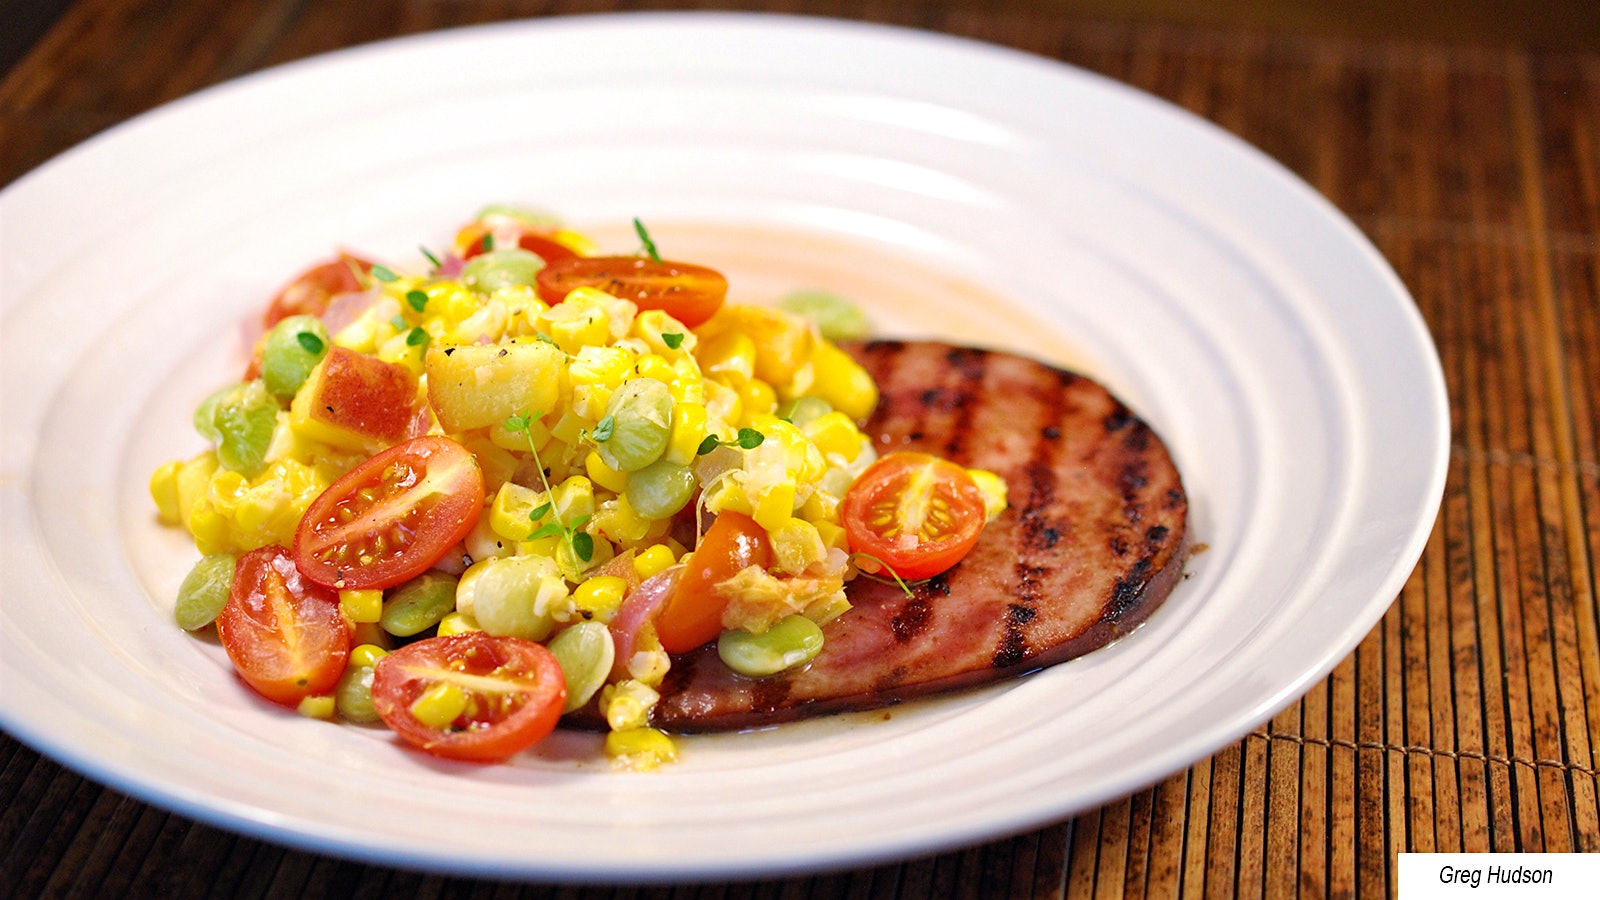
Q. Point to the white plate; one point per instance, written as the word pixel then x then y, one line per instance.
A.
pixel 956 189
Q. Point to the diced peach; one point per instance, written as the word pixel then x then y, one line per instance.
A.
pixel 354 401
pixel 481 385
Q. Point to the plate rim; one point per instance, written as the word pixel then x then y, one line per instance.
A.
pixel 248 821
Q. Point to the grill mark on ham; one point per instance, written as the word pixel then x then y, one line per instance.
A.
pixel 1093 541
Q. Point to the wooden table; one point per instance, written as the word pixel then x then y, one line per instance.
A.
pixel 1467 720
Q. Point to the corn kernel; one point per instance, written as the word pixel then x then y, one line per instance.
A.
pixel 497 463
pixel 367 655
pixel 820 507
pixel 835 435
pixel 782 341
pixel 604 475
pixel 649 666
pixel 483 542
pixel 544 546
pixel 570 428
pixel 687 385
pixel 536 436
pixel 321 707
pixel 722 402
pixel 651 324
pixel 210 530
pixel 729 357
pixel 362 606
pixel 640 749
pixel 439 704
pixel 510 511
pixel 801 459
pixel 627 704
pixel 489 322
pixel 193 478
pixel 225 489
pixel 618 521
pixel 688 431
pixel 653 560
pixel 652 366
pixel 457 623
pixel 796 544
pixel 574 497
pixel 758 397
pixel 405 350
pixel 605 366
pixel 365 333
pixel 727 494
pixel 842 382
pixel 164 490
pixel 451 302
pixel 834 537
pixel 775 506
pixel 576 322
pixel 601 595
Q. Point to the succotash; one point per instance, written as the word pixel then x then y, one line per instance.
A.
pixel 469 501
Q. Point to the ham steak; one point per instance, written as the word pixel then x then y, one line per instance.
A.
pixel 1093 541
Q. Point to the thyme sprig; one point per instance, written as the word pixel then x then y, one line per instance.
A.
pixel 581 543
pixel 644 238
pixel 894 577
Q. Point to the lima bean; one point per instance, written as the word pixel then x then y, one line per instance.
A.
pixel 794 641
pixel 419 604
pixel 204 592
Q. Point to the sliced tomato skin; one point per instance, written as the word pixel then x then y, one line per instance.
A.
pixel 692 615
pixel 286 636
pixel 877 504
pixel 310 292
pixel 685 291
pixel 494 728
pixel 429 494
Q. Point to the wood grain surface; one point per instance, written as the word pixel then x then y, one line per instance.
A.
pixel 1467 720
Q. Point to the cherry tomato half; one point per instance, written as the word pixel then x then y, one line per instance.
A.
pixel 687 292
pixel 390 518
pixel 693 614
pixel 286 635
pixel 916 513
pixel 543 246
pixel 514 693
pixel 310 291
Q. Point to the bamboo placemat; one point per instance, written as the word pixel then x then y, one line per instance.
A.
pixel 1467 720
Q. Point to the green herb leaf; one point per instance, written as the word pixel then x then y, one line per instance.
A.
pixel 488 241
pixel 417 337
pixel 539 512
pixel 644 238
pixel 748 438
pixel 674 340
pixel 582 545
pixel 384 274
pixel 523 422
pixel 399 322
pixel 604 428
pixel 549 529
pixel 432 259
pixel 417 299
pixel 309 342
